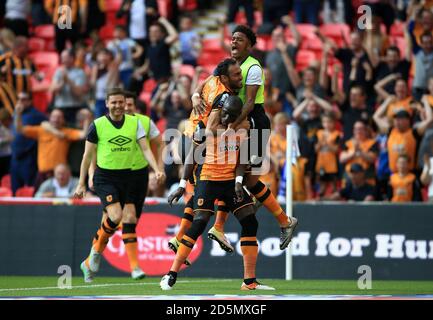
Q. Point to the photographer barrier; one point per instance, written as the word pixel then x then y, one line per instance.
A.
pixel 331 242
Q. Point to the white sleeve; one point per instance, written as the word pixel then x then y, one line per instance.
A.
pixel 140 131
pixel 153 131
pixel 254 76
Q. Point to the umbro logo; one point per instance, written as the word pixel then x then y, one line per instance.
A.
pixel 120 140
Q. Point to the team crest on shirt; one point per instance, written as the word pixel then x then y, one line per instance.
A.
pixel 200 201
pixel 109 198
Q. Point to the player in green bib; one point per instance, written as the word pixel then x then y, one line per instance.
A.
pixel 252 96
pixel 113 140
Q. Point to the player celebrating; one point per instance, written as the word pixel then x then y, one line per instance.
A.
pixel 217 181
pixel 214 93
pixel 252 96
pixel 113 140
pixel 140 179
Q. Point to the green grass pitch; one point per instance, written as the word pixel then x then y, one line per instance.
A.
pixel 47 286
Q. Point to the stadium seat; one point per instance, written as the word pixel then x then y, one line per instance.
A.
pixel 397 29
pixel 313 44
pixel 211 45
pixel 112 5
pixel 36 44
pixel 164 8
pixel 25 192
pixel 46 62
pixel 106 32
pixel 45 31
pixel 149 85
pixel 146 98
pixel 161 124
pixel 336 31
pixel 188 5
pixel 5 192
pixel 304 59
pixel 400 43
pixel 212 57
pixel 186 69
pixel 6 181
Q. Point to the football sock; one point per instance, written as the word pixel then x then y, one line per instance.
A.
pixel 221 216
pixel 107 229
pixel 185 223
pixel 183 252
pixel 249 248
pixel 130 240
pixel 262 193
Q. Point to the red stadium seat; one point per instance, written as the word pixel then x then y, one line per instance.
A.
pixel 149 85
pixel 211 45
pixel 112 5
pixel 313 44
pixel 106 32
pixel 212 57
pixel 336 31
pixel 188 5
pixel 186 69
pixel 25 192
pixel 45 31
pixel 5 192
pixel 6 181
pixel 304 59
pixel 36 44
pixel 164 7
pixel 46 62
pixel 146 98
pixel 400 43
pixel 305 29
pixel 161 124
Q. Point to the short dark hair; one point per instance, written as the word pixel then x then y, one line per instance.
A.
pixel 360 87
pixel 426 34
pixel 222 68
pixel 234 103
pixel 130 95
pixel 248 32
pixel 115 92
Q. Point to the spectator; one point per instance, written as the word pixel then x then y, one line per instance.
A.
pixel 38 13
pixel 17 13
pixel 402 138
pixel 24 150
pixel 95 20
pixel 357 68
pixel 7 39
pixel 71 30
pixel 307 11
pixel 354 109
pixel 278 140
pixel 104 75
pixel 175 110
pixel 52 149
pixel 390 70
pixel 140 15
pixel 275 59
pixel 17 68
pixel 272 103
pixel 190 42
pixel 400 101
pixel 7 98
pixel 301 185
pixel 375 42
pixel 361 149
pixel 235 5
pixel 274 10
pixel 423 66
pixel 327 143
pixel 427 172
pixel 420 23
pixel 69 86
pixel 357 189
pixel 383 9
pixel 158 51
pixel 62 185
pixel 5 145
pixel 129 50
pixel 403 185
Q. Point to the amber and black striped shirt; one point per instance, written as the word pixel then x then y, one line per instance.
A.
pixel 8 98
pixel 18 72
pixel 52 8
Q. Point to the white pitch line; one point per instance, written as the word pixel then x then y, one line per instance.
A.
pixel 110 285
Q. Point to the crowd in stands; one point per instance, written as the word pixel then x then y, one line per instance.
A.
pixel 359 94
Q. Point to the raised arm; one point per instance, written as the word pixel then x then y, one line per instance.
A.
pixel 380 117
pixel 172 32
pixel 379 86
pixel 291 71
pixel 422 126
pixel 300 108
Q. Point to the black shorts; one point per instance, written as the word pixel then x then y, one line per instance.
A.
pixel 260 132
pixel 113 187
pixel 206 192
pixel 138 188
